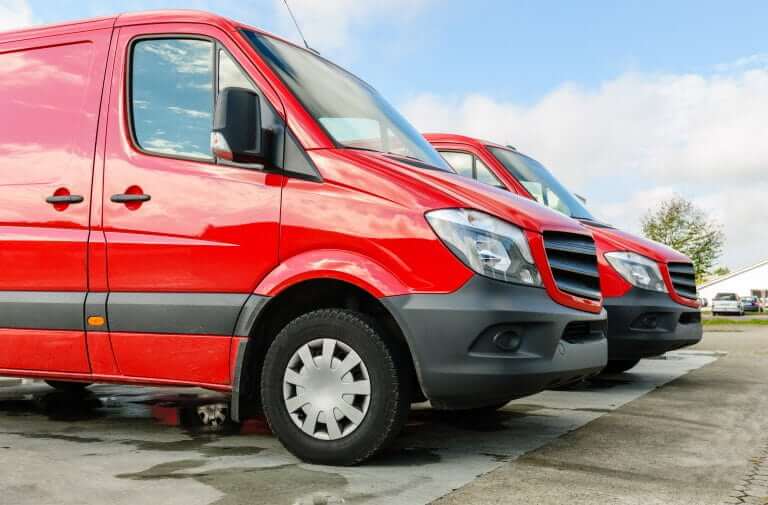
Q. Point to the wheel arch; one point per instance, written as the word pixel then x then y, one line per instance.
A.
pixel 345 266
pixel 264 316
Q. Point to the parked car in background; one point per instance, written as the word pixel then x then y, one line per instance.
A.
pixel 727 303
pixel 649 289
pixel 751 304
pixel 189 201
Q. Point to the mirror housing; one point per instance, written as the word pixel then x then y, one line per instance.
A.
pixel 237 132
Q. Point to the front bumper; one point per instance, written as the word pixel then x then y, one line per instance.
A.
pixel 645 323
pixel 460 366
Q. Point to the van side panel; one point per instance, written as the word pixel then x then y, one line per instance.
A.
pixel 50 92
pixel 58 350
pixel 49 99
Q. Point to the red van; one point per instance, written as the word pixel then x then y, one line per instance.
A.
pixel 649 289
pixel 189 201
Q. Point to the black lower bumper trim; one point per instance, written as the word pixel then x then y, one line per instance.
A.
pixel 645 323
pixel 459 365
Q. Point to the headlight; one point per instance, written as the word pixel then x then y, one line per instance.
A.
pixel 487 245
pixel 638 270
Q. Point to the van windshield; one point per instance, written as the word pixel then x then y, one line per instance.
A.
pixel 541 184
pixel 354 114
pixel 730 297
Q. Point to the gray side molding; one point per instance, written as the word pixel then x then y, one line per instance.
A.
pixel 43 310
pixel 181 313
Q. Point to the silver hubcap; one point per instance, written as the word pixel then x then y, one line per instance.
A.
pixel 326 389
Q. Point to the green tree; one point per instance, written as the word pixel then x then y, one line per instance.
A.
pixel 681 225
pixel 721 271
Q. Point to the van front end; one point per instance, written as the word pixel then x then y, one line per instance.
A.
pixel 491 342
pixel 650 296
pixel 643 324
pixel 529 319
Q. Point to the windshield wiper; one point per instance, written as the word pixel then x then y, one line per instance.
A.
pixel 383 152
pixel 411 160
pixel 357 148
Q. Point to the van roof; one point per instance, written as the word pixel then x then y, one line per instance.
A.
pixel 127 19
pixel 57 29
pixel 463 139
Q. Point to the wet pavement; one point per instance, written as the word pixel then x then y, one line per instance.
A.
pixel 128 445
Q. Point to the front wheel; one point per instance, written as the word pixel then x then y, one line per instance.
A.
pixel 332 390
pixel 620 365
pixel 68 387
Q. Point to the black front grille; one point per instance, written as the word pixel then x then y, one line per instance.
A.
pixel 573 260
pixel 690 318
pixel 583 331
pixel 683 279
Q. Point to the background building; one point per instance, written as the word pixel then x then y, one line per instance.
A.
pixel 747 281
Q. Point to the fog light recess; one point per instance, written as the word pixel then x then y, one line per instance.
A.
pixel 506 340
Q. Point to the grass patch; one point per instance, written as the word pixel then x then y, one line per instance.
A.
pixel 715 321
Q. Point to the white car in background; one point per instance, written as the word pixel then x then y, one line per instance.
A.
pixel 727 303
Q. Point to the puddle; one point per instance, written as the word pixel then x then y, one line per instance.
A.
pixel 278 485
pixel 599 383
pixel 406 456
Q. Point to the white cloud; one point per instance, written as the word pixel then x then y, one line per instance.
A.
pixel 759 60
pixel 638 138
pixel 328 24
pixel 626 214
pixel 15 14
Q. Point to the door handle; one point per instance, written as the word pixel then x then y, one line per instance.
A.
pixel 64 199
pixel 130 198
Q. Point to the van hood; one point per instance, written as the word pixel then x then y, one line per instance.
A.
pixel 612 239
pixel 458 191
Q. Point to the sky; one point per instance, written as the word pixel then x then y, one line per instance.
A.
pixel 626 102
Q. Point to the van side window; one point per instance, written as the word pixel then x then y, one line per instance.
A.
pixel 484 175
pixel 230 74
pixel 470 166
pixel 461 162
pixel 172 96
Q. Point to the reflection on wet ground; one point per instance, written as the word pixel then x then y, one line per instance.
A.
pixel 200 412
pixel 196 412
pixel 179 445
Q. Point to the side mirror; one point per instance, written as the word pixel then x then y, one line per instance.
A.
pixel 237 131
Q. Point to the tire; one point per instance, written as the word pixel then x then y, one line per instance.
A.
pixel 348 439
pixel 620 365
pixel 68 387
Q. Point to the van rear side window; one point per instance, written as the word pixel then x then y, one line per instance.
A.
pixel 172 96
